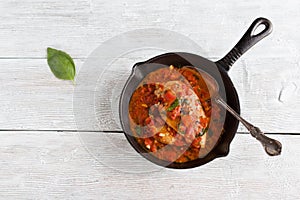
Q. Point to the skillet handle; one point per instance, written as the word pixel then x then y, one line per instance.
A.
pixel 246 42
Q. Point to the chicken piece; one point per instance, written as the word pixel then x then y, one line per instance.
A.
pixel 188 119
pixel 165 136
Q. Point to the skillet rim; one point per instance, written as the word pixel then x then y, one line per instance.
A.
pixel 221 148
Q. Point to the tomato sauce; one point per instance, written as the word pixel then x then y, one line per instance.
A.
pixel 170 115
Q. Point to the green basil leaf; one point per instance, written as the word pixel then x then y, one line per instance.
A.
pixel 61 64
pixel 173 105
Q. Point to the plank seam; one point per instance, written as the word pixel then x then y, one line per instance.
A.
pixel 106 131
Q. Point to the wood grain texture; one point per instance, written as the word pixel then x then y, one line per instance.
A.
pixel 95 165
pixel 29 26
pixel 32 98
pixel 266 78
pixel 48 165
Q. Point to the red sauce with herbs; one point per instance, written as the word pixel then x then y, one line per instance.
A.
pixel 170 115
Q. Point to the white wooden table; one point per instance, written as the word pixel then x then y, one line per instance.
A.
pixel 41 154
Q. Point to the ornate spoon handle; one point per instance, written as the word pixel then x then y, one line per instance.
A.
pixel 271 146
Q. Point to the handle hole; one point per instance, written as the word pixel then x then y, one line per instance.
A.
pixel 258 30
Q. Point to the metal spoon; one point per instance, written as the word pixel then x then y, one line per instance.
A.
pixel 271 146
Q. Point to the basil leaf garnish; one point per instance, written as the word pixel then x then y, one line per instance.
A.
pixel 61 64
pixel 173 105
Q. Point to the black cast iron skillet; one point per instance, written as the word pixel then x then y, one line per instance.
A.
pixel 218 70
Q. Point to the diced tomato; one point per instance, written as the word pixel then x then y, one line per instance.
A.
pixel 174 113
pixel 148 120
pixel 196 142
pixel 170 97
pixel 204 121
pixel 153 148
pixel 148 141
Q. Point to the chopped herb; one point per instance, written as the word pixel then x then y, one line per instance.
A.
pixel 173 105
pixel 203 131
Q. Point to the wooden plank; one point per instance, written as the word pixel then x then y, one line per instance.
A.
pixel 48 165
pixel 32 98
pixel 29 26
